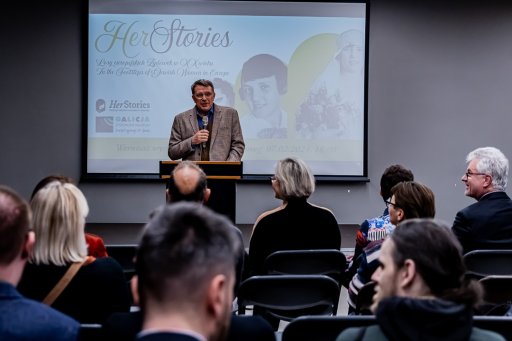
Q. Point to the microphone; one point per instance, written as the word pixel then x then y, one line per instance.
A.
pixel 205 126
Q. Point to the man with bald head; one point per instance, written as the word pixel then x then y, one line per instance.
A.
pixel 188 183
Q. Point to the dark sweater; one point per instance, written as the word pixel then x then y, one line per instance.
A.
pixel 97 290
pixel 298 225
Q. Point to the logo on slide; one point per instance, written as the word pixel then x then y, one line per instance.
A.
pixel 100 105
pixel 105 124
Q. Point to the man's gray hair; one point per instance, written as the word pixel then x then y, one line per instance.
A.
pixel 493 162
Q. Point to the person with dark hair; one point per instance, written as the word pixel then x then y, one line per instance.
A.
pixel 486 224
pixel 185 266
pixel 22 318
pixel 264 80
pixel 296 224
pixel 95 244
pixel 207 132
pixel 421 292
pixel 409 199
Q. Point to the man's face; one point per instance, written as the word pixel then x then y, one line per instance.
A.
pixel 475 182
pixel 386 275
pixel 351 56
pixel 203 98
pixel 262 96
pixel 394 211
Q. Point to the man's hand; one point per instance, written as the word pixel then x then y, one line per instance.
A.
pixel 200 137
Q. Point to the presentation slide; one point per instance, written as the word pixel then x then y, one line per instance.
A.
pixel 295 72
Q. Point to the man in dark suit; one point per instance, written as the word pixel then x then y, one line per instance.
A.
pixel 207 132
pixel 21 318
pixel 486 224
pixel 185 266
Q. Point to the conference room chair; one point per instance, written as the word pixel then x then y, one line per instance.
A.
pixel 91 332
pixel 124 254
pixel 365 299
pixel 286 297
pixel 331 263
pixel 327 328
pixel 497 295
pixel 482 263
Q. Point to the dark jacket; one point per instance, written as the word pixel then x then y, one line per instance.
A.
pixel 405 318
pixel 486 224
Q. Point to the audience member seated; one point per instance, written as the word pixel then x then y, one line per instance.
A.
pixel 188 183
pixel 296 224
pixel 22 318
pixel 486 224
pixel 408 200
pixel 421 291
pixel 96 286
pixel 95 244
pixel 185 273
pixel 379 227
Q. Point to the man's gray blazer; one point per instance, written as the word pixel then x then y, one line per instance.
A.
pixel 226 140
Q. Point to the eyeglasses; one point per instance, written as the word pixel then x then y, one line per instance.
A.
pixel 469 174
pixel 272 178
pixel 388 202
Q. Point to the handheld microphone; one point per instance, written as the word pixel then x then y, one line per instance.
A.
pixel 205 126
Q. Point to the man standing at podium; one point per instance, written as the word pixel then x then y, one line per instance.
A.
pixel 207 132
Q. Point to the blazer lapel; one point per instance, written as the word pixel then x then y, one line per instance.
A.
pixel 192 119
pixel 216 123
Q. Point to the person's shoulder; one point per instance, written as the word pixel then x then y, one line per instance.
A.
pixel 185 113
pixel 106 267
pixel 268 215
pixel 323 209
pixel 478 334
pixel 362 333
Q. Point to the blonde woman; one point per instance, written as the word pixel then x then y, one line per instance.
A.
pixel 98 288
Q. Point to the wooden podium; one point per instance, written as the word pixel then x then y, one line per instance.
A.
pixel 222 176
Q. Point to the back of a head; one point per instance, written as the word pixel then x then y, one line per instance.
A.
pixel 415 199
pixel 183 246
pixel 392 175
pixel 15 222
pixel 187 183
pixel 493 162
pixel 51 178
pixel 59 212
pixel 295 178
pixel 437 256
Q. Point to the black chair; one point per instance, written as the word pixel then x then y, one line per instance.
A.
pixel 91 332
pixel 124 254
pixel 482 263
pixel 499 324
pixel 323 328
pixel 365 299
pixel 497 289
pixel 307 262
pixel 286 297
pixel 327 328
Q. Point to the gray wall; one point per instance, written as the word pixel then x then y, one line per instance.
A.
pixel 439 86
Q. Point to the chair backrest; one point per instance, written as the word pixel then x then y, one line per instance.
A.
pixel 497 289
pixel 124 254
pixel 307 262
pixel 498 324
pixel 482 263
pixel 365 298
pixel 323 327
pixel 329 327
pixel 290 296
pixel 91 332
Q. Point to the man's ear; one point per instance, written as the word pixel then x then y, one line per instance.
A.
pixel 134 286
pixel 217 295
pixel 28 245
pixel 206 196
pixel 407 274
pixel 400 215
